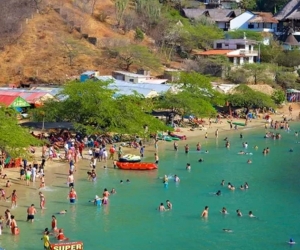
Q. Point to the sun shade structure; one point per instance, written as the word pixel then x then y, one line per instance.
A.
pixel 13 101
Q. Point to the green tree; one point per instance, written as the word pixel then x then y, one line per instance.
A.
pixel 94 107
pixel 244 96
pixel 290 58
pixel 199 36
pixel 137 55
pixel 120 8
pixel 195 96
pixel 248 4
pixel 14 139
pixel 271 53
pixel 278 96
pixel 271 5
pixel 257 71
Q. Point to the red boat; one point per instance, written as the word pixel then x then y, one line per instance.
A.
pixel 136 165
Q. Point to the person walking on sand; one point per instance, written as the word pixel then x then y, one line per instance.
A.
pixel 27 177
pixel 42 179
pixel 31 211
pixel 71 180
pixel 112 151
pixel 205 212
pixel 14 199
pixel 217 133
pixel 42 200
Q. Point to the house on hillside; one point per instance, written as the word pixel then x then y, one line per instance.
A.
pixel 289 17
pixel 255 21
pixel 238 51
pixel 221 17
pixel 131 77
pixel 291 43
pixel 88 75
pixel 224 4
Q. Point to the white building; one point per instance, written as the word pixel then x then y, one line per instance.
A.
pixel 255 21
pixel 130 77
pixel 239 51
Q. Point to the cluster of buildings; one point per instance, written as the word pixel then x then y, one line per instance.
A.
pixel 124 83
pixel 284 26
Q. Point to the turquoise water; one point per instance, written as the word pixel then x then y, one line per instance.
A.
pixel 131 221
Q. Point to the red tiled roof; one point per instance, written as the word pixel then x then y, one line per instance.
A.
pixel 213 52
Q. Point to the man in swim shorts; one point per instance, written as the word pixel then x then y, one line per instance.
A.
pixel 31 211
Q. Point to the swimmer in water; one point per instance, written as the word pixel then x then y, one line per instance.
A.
pixel 188 166
pixel 206 152
pixel 251 215
pixel 62 212
pixel 222 182
pixel 205 212
pixel 249 161
pixel 255 147
pixel 241 152
pixel 218 193
pixel 291 150
pixel 121 181
pixel 224 210
pixel 246 186
pixel 161 207
pixel 291 241
pixel 227 230
pixel 200 160
pixel 169 205
pixel 242 187
pixel 239 213
pixel 176 178
pixel 229 185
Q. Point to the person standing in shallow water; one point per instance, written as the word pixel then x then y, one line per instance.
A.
pixel 205 212
pixel 187 148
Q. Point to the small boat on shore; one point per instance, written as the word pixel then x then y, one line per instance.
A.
pixel 130 158
pixel 238 123
pixel 136 166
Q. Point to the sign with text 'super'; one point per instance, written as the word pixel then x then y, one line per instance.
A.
pixel 78 245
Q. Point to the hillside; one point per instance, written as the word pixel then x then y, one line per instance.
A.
pixel 51 38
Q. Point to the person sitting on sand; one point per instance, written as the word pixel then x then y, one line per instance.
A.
pixel 8 183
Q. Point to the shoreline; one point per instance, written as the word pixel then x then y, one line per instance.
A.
pixel 29 194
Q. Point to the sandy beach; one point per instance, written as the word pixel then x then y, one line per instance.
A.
pixel 56 171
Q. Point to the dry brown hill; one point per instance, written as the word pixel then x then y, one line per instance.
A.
pixel 52 37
